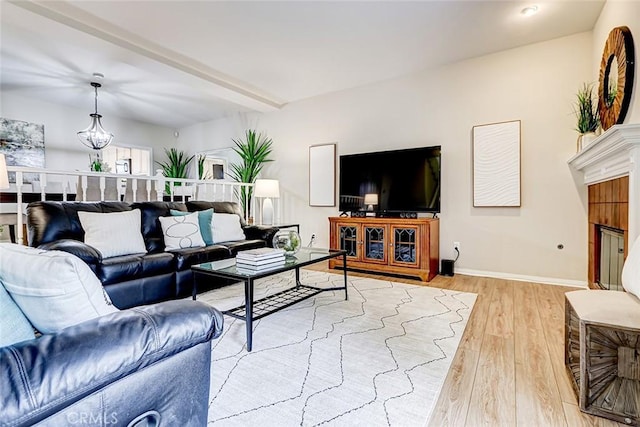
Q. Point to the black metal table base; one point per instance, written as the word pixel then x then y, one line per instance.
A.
pixel 254 310
pixel 278 301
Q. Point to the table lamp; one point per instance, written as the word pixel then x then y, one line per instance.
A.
pixel 4 176
pixel 370 200
pixel 267 188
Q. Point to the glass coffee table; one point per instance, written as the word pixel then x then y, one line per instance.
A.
pixel 253 310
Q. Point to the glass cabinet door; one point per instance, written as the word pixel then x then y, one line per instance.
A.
pixel 375 244
pixel 405 245
pixel 349 239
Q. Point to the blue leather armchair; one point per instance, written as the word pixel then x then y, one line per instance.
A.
pixel 143 366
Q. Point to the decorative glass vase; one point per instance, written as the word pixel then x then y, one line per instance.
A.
pixel 289 240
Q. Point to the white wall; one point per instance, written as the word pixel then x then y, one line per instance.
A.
pixel 535 84
pixel 63 150
pixel 217 136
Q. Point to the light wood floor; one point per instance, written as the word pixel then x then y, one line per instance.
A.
pixel 509 369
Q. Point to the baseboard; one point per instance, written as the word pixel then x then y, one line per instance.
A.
pixel 523 278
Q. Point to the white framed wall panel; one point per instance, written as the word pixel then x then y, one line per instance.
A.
pixel 496 165
pixel 322 175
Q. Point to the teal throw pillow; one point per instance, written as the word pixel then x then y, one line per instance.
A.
pixel 204 220
pixel 14 326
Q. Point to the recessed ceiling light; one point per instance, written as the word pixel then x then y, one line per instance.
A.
pixel 529 10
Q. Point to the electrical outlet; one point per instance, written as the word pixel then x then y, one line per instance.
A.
pixel 456 245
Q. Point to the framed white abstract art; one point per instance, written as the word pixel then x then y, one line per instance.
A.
pixel 496 165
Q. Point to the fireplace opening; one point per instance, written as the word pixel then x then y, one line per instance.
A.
pixel 611 258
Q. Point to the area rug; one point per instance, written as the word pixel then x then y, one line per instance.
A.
pixel 378 359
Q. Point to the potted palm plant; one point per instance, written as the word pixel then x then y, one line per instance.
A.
pixel 586 110
pixel 201 172
pixel 175 167
pixel 254 152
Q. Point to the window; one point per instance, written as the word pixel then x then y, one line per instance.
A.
pixel 133 160
pixel 213 168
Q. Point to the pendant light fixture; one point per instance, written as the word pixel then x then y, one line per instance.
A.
pixel 95 136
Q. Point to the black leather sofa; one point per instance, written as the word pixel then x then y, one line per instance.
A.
pixel 145 366
pixel 138 279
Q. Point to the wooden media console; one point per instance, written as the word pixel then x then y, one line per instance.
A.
pixel 402 246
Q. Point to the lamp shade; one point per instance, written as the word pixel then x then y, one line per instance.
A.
pixel 371 199
pixel 267 188
pixel 4 175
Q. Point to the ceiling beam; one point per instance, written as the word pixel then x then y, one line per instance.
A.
pixel 225 86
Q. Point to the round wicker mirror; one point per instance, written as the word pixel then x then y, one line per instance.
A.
pixel 616 77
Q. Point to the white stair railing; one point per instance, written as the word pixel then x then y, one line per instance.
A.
pixel 97 186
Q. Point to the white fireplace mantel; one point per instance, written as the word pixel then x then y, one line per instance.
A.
pixel 609 156
pixel 614 154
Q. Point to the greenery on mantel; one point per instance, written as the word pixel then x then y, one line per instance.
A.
pixel 586 110
pixel 254 152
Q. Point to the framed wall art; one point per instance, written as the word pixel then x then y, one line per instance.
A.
pixel 322 175
pixel 22 144
pixel 496 165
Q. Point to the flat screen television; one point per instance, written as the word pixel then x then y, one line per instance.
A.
pixel 391 181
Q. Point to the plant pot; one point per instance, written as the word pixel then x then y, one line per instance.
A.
pixel 585 139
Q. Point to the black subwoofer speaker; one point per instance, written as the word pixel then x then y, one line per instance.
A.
pixel 446 267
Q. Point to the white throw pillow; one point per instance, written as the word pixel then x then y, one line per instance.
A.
pixel 53 289
pixel 226 228
pixel 113 234
pixel 631 270
pixel 181 232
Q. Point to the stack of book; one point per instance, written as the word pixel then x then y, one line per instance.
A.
pixel 260 259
